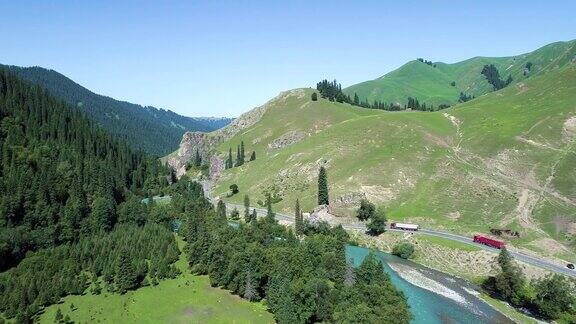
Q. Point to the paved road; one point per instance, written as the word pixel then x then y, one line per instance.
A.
pixel 529 259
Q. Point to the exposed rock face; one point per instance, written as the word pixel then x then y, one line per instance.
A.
pixel 253 116
pixel 192 141
pixel 287 139
pixel 207 142
pixel 569 129
pixel 322 214
pixel 216 166
pixel 351 199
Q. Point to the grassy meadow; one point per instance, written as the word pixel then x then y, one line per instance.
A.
pixel 501 160
pixel 186 299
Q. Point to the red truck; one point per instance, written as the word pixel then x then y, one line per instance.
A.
pixel 488 241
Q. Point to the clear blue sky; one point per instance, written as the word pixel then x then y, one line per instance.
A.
pixel 221 58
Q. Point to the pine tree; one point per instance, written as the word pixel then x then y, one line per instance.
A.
pixel 253 156
pixel 59 316
pixel 510 282
pixel 229 163
pixel 242 154
pixel 322 187
pixel 249 291
pixel 221 211
pixel 197 159
pixel 246 209
pixel 254 216
pixel 238 158
pixel 126 278
pixel 269 213
pixel 103 214
pixel 299 221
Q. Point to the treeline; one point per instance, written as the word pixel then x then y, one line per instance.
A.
pixel 157 131
pixel 464 97
pixel 551 298
pixel 124 259
pixel 333 92
pixel 71 215
pixel 60 177
pixel 426 62
pixel 240 157
pixel 303 280
pixel 493 77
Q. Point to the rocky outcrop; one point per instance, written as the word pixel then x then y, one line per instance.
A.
pixel 287 139
pixel 569 129
pixel 348 200
pixel 206 143
pixel 192 141
pixel 216 166
pixel 322 214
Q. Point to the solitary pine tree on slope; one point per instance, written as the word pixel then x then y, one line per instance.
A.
pixel 238 156
pixel 269 213
pixel 246 209
pixel 299 221
pixel 242 154
pixel 229 163
pixel 197 159
pixel 221 211
pixel 322 187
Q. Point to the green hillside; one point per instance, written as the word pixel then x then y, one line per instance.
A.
pixel 157 131
pixel 504 160
pixel 433 83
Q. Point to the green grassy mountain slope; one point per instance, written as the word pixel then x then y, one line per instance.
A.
pixel 154 130
pixel 432 84
pixel 506 159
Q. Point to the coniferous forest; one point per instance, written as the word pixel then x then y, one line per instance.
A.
pixel 303 279
pixel 73 220
pixel 333 92
pixel 70 205
pixel 156 131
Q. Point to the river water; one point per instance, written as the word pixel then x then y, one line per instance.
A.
pixel 434 297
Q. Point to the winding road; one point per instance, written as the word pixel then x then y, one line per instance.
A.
pixel 528 259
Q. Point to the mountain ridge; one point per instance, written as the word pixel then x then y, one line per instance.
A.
pixel 152 129
pixel 504 159
pixel 431 82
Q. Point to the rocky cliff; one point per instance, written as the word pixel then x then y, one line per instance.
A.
pixel 206 143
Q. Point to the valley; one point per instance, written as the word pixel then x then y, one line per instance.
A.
pixel 502 160
pixel 377 162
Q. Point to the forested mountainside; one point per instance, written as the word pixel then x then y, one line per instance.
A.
pixel 437 83
pixel 157 131
pixel 70 191
pixel 74 222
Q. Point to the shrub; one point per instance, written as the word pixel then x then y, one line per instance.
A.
pixel 377 224
pixel 234 189
pixel 314 96
pixel 366 210
pixel 235 214
pixel 404 250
